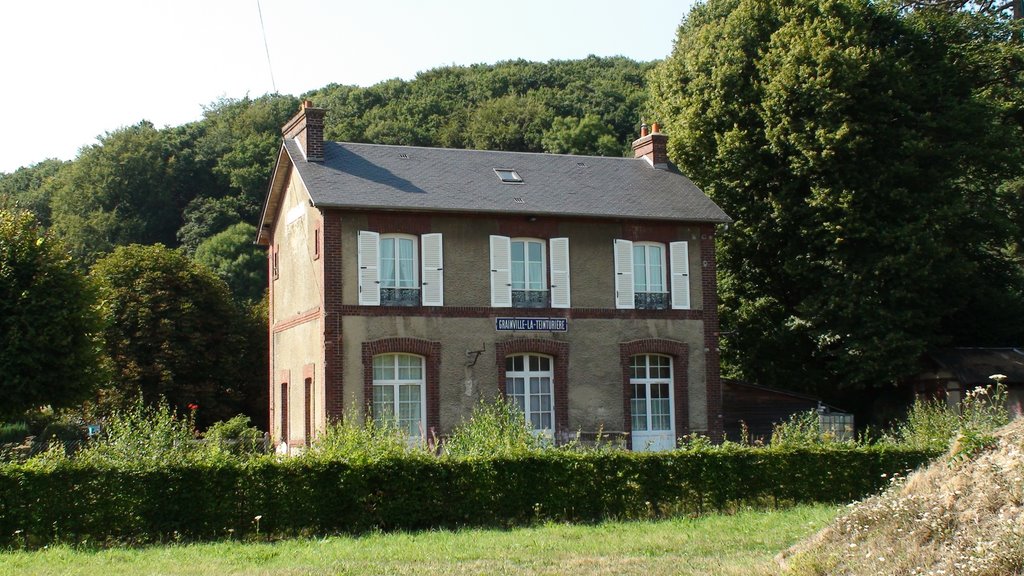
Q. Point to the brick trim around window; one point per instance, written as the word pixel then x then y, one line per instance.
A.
pixel 431 353
pixel 680 354
pixel 559 351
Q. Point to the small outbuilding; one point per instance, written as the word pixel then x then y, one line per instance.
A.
pixel 949 373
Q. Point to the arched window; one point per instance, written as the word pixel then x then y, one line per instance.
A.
pixel 399 392
pixel 651 402
pixel 529 382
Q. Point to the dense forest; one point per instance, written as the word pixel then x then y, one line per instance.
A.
pixel 869 154
pixel 198 189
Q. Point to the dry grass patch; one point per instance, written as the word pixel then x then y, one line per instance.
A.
pixel 961 515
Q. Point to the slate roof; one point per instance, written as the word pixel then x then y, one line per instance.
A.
pixel 374 176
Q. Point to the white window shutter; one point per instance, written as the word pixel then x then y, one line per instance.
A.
pixel 501 272
pixel 369 275
pixel 432 270
pixel 680 268
pixel 624 274
pixel 560 293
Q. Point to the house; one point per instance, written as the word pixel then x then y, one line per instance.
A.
pixel 408 283
pixel 949 373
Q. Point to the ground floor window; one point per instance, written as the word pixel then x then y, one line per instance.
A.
pixel 529 383
pixel 651 402
pixel 399 392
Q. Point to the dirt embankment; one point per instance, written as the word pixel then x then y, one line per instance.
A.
pixel 958 516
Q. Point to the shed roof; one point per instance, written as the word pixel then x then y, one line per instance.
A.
pixel 973 366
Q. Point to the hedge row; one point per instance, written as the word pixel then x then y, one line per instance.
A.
pixel 75 502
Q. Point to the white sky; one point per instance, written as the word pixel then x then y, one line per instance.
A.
pixel 73 69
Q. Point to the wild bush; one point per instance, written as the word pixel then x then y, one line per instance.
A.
pixel 235 436
pixel 354 439
pixel 495 428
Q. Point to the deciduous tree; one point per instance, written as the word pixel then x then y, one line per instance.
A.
pixel 49 326
pixel 862 153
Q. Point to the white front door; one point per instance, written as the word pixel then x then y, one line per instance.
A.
pixel 651 403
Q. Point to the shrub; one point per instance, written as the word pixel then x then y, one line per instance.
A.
pixel 352 440
pixel 494 429
pixel 801 429
pixel 933 425
pixel 235 437
pixel 13 432
pixel 105 500
pixel 141 435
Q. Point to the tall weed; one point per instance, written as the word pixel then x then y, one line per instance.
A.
pixel 801 430
pixel 357 440
pixel 494 429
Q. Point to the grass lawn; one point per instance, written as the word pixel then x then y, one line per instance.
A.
pixel 740 544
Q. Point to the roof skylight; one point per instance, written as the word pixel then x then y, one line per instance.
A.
pixel 508 176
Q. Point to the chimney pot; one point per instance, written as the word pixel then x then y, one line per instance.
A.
pixel 652 147
pixel 307 127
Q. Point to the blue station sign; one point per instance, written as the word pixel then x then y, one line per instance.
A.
pixel 531 324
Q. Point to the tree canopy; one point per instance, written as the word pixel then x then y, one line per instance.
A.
pixel 49 326
pixel 864 155
pixel 172 332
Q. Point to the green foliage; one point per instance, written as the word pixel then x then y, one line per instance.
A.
pixel 587 135
pixel 129 188
pixel 512 122
pixel 862 153
pixel 28 188
pixel 802 429
pixel 11 432
pixel 172 331
pixel 141 435
pixel 74 500
pixel 236 259
pixel 456 106
pixel 929 425
pixel 49 327
pixel 965 431
pixel 235 436
pixel 494 429
pixel 205 217
pixel 354 441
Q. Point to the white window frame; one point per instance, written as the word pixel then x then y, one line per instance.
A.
pixel 397 281
pixel 427 270
pixel 527 280
pixel 395 385
pixel 647 268
pixel 554 270
pixel 533 412
pixel 649 439
pixel 678 284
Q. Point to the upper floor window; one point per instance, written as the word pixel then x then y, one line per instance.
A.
pixel 520 275
pixel 399 285
pixel 529 274
pixel 649 276
pixel 640 279
pixel 400 269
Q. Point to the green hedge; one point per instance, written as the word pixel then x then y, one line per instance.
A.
pixel 70 501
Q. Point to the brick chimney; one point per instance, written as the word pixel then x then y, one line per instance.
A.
pixel 652 147
pixel 308 128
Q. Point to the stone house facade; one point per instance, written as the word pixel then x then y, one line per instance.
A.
pixel 408 283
